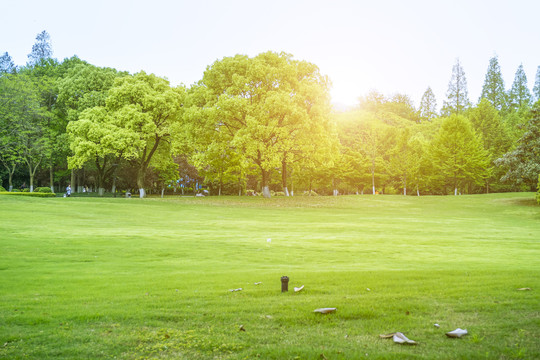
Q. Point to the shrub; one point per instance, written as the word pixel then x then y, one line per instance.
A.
pixel 43 189
pixel 279 193
pixel 251 193
pixel 32 194
pixel 313 193
pixel 26 190
pixel 2 189
pixel 538 192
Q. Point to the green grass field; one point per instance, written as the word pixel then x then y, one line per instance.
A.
pixel 90 278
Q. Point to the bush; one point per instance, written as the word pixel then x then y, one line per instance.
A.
pixel 251 193
pixel 43 189
pixel 32 194
pixel 26 190
pixel 313 193
pixel 2 189
pixel 538 192
pixel 279 193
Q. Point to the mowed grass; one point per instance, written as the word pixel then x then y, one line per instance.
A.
pixel 85 278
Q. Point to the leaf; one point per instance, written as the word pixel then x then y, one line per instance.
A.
pixel 325 310
pixel 457 333
pixel 398 338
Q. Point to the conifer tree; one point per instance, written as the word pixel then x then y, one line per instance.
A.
pixel 493 89
pixel 428 105
pixel 457 95
pixel 536 88
pixel 6 64
pixel 519 95
pixel 42 48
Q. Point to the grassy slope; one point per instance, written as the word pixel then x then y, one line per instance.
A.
pixel 99 278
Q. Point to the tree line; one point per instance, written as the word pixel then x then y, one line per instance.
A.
pixel 259 124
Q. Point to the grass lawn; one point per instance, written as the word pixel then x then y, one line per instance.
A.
pixel 90 278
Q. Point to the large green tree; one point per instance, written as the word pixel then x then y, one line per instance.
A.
pixel 488 123
pixel 19 115
pixel 457 155
pixel 522 165
pixel 146 108
pixel 271 108
pixel 493 88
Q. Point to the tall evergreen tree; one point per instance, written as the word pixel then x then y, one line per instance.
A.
pixel 536 88
pixel 493 89
pixel 457 95
pixel 42 48
pixel 7 65
pixel 519 95
pixel 428 105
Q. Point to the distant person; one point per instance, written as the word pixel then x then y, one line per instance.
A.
pixel 23 186
pixel 68 190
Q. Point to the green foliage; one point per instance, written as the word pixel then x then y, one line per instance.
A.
pixel 522 165
pixel 26 192
pixel 457 155
pixel 538 191
pixel 2 189
pixel 255 121
pixel 43 189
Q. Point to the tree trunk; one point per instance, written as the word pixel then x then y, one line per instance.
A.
pixel 265 181
pixel 455 191
pixel 405 186
pixel 220 183
pixel 51 177
pixel 113 190
pixel 373 176
pixel 162 192
pixel 284 177
pixel 72 182
pixel 32 172
pixel 140 182
pixel 11 171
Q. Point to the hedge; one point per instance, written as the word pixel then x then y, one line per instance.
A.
pixel 32 194
pixel 43 189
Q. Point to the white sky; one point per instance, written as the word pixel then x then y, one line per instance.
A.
pixel 391 46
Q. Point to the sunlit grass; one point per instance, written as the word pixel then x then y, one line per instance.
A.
pixel 130 278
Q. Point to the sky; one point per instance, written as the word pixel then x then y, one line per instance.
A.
pixel 391 46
